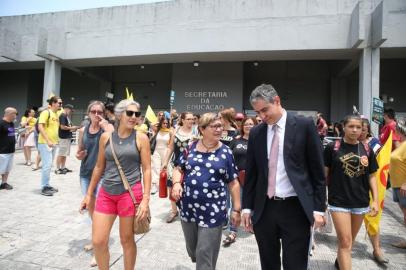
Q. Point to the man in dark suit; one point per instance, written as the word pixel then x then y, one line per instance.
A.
pixel 284 193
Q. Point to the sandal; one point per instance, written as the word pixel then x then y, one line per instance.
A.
pixel 88 247
pixel 379 258
pixel 229 239
pixel 400 245
pixel 93 263
pixel 172 216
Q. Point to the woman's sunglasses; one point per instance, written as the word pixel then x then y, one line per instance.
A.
pixel 131 113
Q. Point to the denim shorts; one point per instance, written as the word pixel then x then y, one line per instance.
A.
pixel 354 211
pixel 84 185
pixel 399 199
pixel 6 163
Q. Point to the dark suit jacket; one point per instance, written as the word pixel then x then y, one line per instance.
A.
pixel 304 165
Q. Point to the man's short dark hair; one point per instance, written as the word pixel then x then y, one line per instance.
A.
pixel 390 113
pixel 110 106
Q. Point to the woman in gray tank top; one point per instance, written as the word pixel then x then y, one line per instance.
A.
pixel 88 149
pixel 133 152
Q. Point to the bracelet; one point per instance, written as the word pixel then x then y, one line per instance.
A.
pixel 178 182
pixel 237 211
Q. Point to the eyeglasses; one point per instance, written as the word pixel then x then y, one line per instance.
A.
pixel 96 112
pixel 218 126
pixel 131 113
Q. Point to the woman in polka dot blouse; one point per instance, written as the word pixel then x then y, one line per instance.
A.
pixel 208 167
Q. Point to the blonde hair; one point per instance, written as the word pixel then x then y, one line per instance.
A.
pixel 229 116
pixel 401 126
pixel 93 103
pixel 206 119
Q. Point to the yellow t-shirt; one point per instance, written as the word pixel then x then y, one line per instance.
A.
pixel 51 125
pixel 59 112
pixel 31 123
pixel 397 169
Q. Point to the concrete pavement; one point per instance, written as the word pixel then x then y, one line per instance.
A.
pixel 38 232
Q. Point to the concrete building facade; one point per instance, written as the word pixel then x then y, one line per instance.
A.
pixel 321 55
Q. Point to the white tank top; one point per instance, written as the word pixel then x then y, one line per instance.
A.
pixel 162 140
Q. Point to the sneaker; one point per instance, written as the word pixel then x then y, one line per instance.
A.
pixel 46 191
pixel 6 186
pixel 66 170
pixel 154 189
pixel 60 171
pixel 53 189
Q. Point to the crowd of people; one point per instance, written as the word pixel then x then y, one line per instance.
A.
pixel 268 173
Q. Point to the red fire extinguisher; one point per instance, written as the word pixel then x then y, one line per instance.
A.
pixel 163 191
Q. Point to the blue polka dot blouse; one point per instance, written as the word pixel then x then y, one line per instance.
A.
pixel 205 177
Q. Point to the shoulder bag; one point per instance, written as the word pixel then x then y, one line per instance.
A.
pixel 141 226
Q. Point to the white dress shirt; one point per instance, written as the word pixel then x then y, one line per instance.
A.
pixel 283 186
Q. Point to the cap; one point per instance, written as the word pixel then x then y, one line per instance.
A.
pixel 239 116
pixel 68 106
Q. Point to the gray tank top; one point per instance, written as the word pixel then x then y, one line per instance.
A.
pixel 129 157
pixel 91 145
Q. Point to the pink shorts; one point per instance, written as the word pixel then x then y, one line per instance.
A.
pixel 120 205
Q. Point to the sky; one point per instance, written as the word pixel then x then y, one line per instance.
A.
pixel 21 7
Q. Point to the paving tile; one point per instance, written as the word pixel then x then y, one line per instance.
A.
pixel 40 232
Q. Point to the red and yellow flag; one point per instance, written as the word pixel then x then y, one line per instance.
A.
pixel 383 159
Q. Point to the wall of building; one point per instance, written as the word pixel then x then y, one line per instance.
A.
pixel 150 85
pixel 191 27
pixel 14 87
pixel 209 87
pixel 302 85
pixel 393 82
pixel 78 90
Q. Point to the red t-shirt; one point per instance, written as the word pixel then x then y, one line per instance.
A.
pixel 322 127
pixel 385 131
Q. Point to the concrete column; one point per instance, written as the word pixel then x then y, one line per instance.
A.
pixel 52 79
pixel 369 82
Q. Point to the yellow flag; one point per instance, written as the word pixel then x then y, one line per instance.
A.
pixel 150 115
pixel 129 95
pixel 383 159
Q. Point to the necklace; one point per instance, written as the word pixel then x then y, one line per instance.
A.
pixel 209 148
pixel 120 140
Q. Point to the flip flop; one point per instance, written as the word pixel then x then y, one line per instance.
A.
pixel 172 216
pixel 229 239
pixel 93 263
pixel 380 259
pixel 400 245
pixel 88 247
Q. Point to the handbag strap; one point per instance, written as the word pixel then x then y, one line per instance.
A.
pixel 121 172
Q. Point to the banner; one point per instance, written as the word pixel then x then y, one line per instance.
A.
pixel 383 158
pixel 129 95
pixel 150 115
